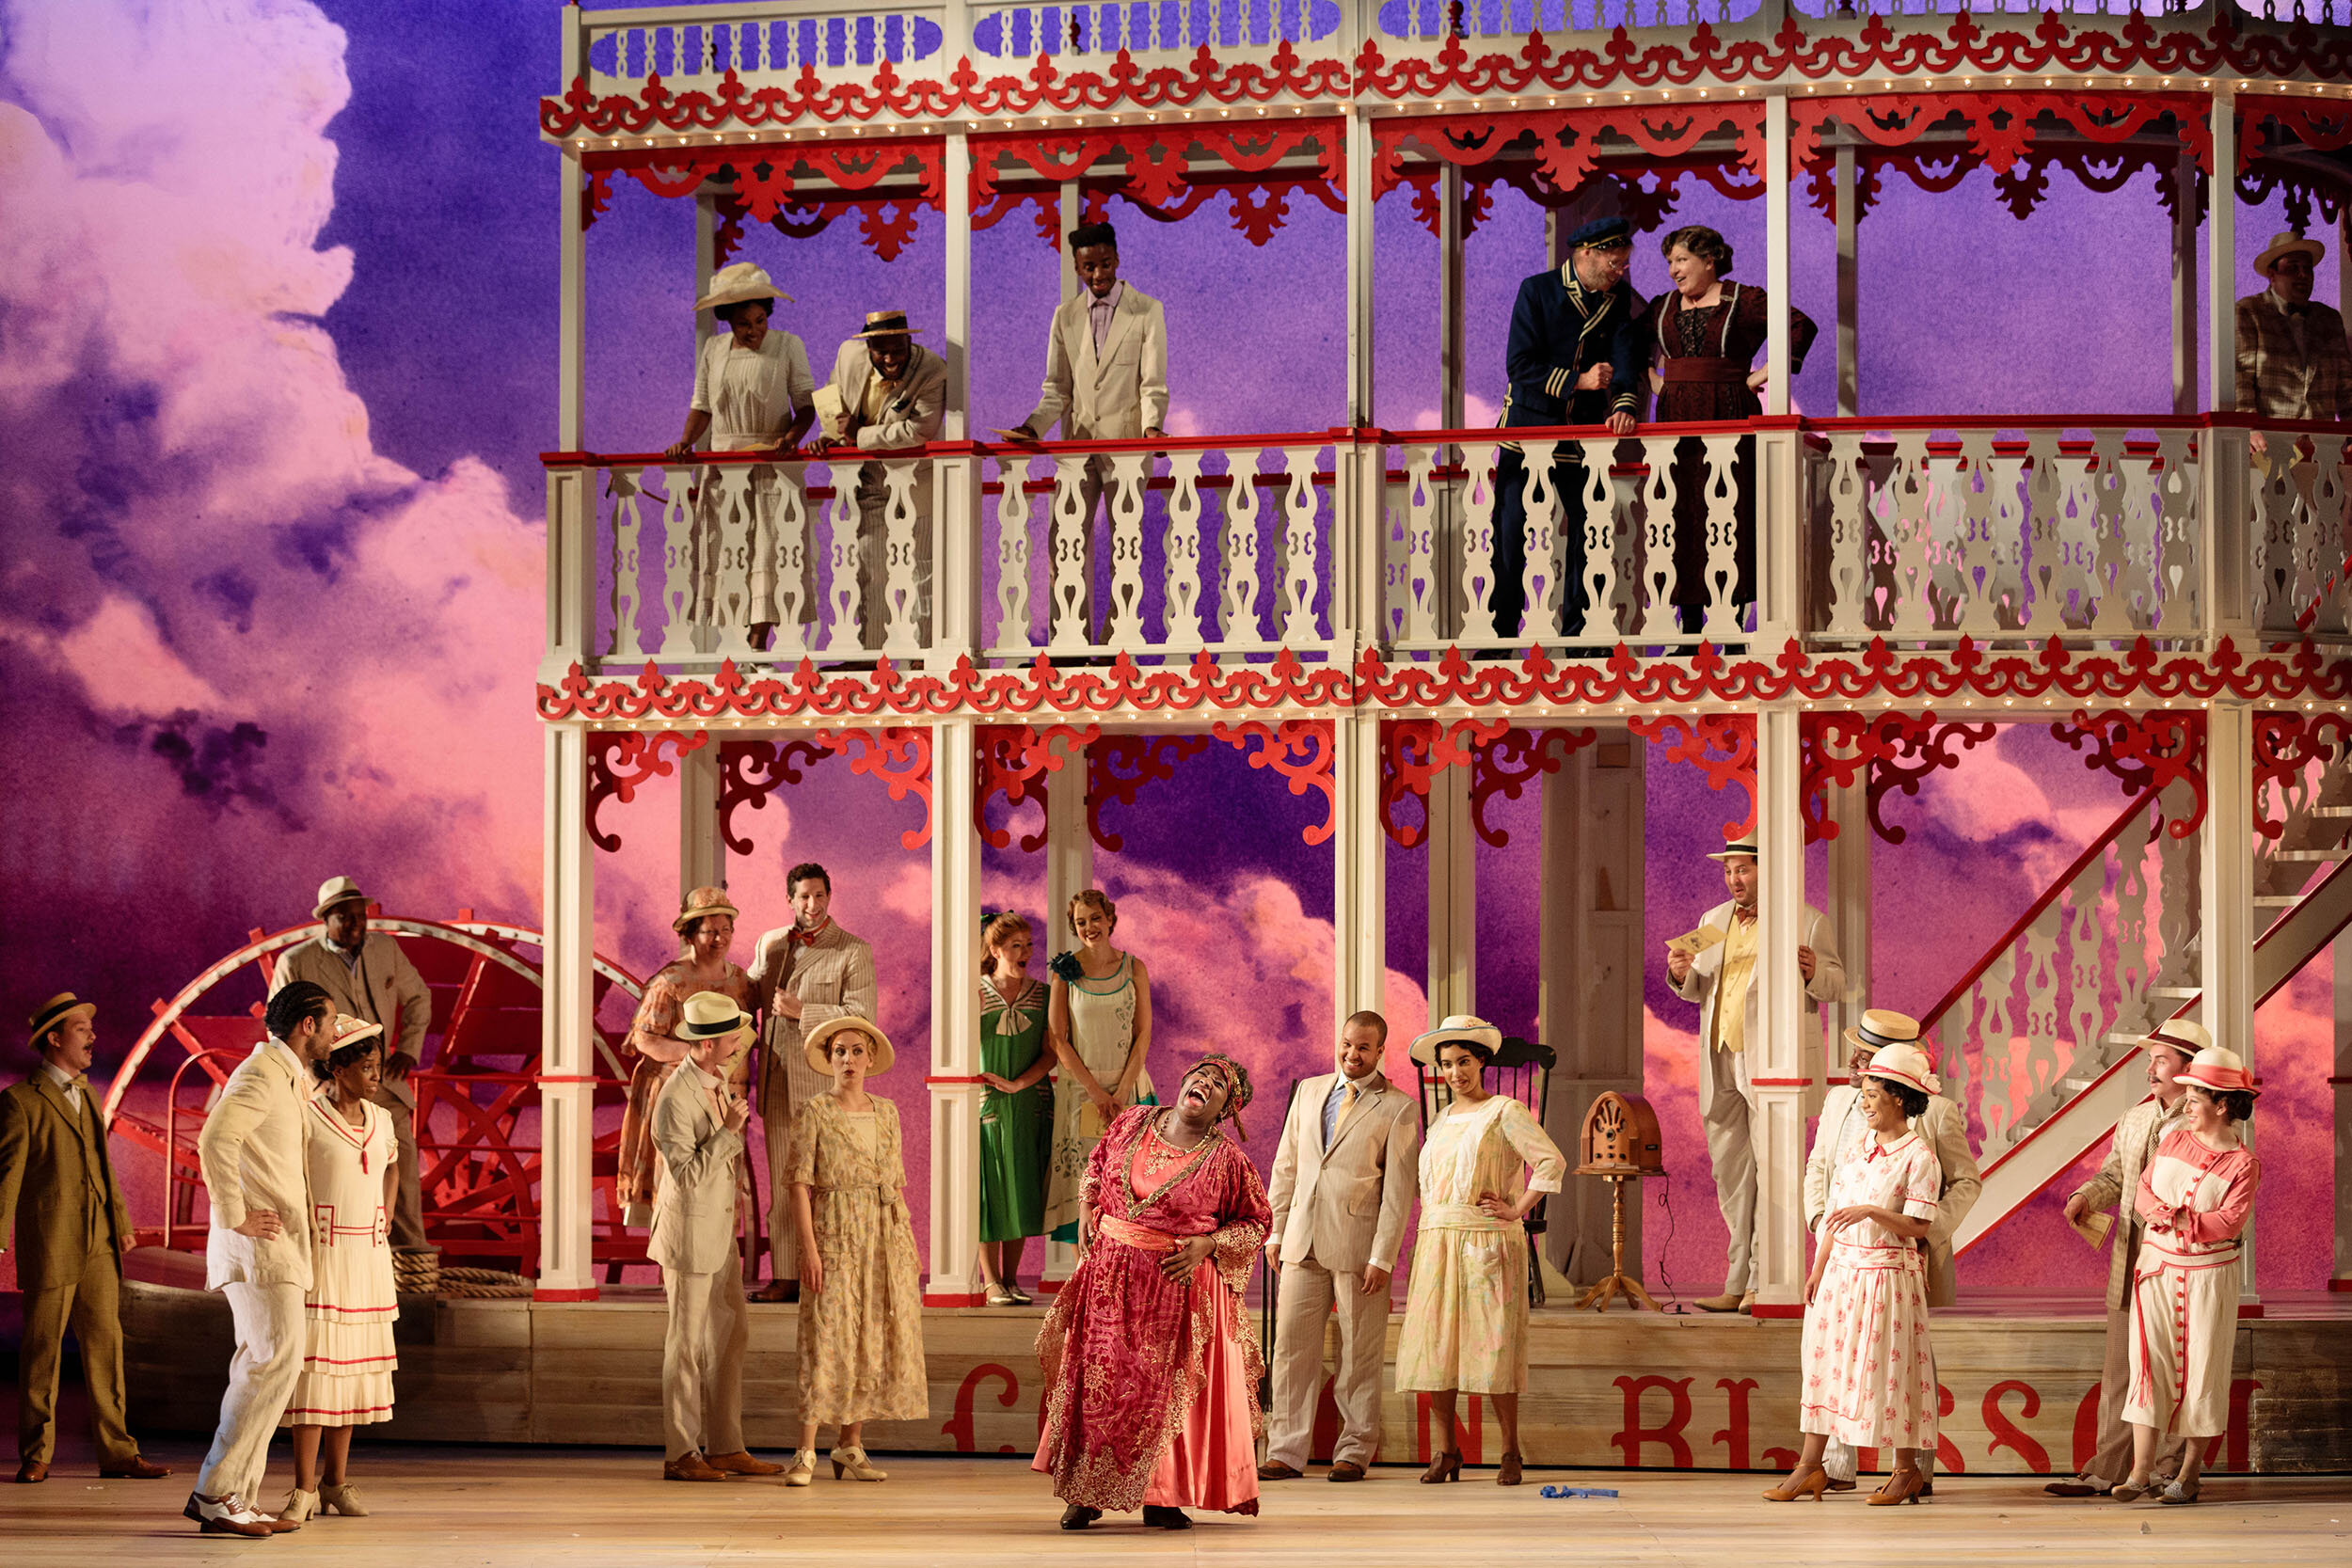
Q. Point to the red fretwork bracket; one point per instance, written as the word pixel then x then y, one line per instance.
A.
pixel 1568 141
pixel 751 771
pixel 2000 124
pixel 620 760
pixel 1301 750
pixel 1897 749
pixel 2285 744
pixel 1413 751
pixel 1119 765
pixel 1722 744
pixel 1013 758
pixel 2144 750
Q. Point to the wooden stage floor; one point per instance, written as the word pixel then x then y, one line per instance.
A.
pixel 462 1507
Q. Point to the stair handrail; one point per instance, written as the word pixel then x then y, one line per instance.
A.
pixel 2056 890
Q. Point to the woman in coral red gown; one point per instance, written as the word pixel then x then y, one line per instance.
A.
pixel 1151 1367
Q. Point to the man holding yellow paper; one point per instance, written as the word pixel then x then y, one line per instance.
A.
pixel 1720 977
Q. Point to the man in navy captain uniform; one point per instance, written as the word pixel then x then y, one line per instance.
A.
pixel 1575 357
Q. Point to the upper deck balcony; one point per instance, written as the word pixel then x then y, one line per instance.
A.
pixel 1324 546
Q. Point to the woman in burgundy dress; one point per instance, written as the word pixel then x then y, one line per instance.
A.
pixel 1709 330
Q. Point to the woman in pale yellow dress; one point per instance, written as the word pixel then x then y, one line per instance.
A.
pixel 860 1325
pixel 1484 1164
pixel 1098 1024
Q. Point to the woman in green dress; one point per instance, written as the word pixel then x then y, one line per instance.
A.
pixel 1016 1108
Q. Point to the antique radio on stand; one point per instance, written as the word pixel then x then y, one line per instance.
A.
pixel 1619 1144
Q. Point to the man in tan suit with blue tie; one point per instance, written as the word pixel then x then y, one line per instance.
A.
pixel 1105 375
pixel 1345 1179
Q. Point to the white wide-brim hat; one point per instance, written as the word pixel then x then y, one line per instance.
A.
pixel 2177 1033
pixel 1459 1027
pixel 347 1030
pixel 1742 847
pixel 2220 1069
pixel 878 1058
pixel 710 1015
pixel 2280 244
pixel 334 890
pixel 1906 1064
pixel 735 283
pixel 1882 1027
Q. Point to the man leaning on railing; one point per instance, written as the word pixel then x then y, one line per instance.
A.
pixel 887 392
pixel 2293 362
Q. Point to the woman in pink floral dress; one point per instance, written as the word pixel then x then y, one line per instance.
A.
pixel 1869 1372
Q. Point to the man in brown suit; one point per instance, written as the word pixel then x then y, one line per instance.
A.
pixel 367 977
pixel 1345 1179
pixel 60 1198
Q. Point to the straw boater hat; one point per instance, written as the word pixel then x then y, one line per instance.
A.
pixel 1460 1026
pixel 2282 243
pixel 703 901
pixel 1904 1063
pixel 814 1047
pixel 733 285
pixel 1882 1027
pixel 887 324
pixel 347 1030
pixel 2177 1033
pixel 1742 847
pixel 334 890
pixel 55 1011
pixel 2221 1069
pixel 708 1014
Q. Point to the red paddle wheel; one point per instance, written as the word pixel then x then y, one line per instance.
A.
pixel 477 1096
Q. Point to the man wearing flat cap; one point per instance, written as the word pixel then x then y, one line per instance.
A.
pixel 892 393
pixel 62 1213
pixel 1575 357
pixel 367 977
pixel 1715 967
pixel 2293 362
pixel 1105 377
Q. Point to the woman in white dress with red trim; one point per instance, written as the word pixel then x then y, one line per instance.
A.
pixel 347 1363
pixel 2195 1198
pixel 1868 1369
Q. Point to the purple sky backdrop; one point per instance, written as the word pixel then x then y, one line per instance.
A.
pixel 275 369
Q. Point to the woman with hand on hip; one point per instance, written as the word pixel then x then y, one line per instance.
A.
pixel 1016 1108
pixel 2195 1198
pixel 1867 1366
pixel 1486 1162
pixel 861 1319
pixel 706 929
pixel 1099 1024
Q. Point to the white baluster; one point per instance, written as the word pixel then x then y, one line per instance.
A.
pixel 1607 508
pixel 627 562
pixel 793 546
pixel 844 555
pixel 1909 544
pixel 1237 604
pixel 1130 473
pixel 728 583
pixel 1541 510
pixel 2040 1017
pixel 1072 532
pixel 1661 489
pixel 1302 563
pixel 2087 975
pixel 1408 527
pixel 2180 534
pixel 907 592
pixel 1723 539
pixel 1848 539
pixel 2118 483
pixel 682 545
pixel 2273 534
pixel 1478 545
pixel 2331 500
pixel 2011 595
pixel 2134 971
pixel 1181 571
pixel 1996 993
pixel 1014 636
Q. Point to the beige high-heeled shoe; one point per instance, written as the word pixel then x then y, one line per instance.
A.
pixel 853 1463
pixel 342 1499
pixel 299 1506
pixel 803 1469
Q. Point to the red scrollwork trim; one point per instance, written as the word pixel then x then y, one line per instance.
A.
pixel 2321 126
pixel 1723 745
pixel 620 760
pixel 1286 684
pixel 1300 750
pixel 2285 745
pixel 1013 758
pixel 1120 765
pixel 1889 751
pixel 1413 751
pixel 2143 751
pixel 2000 124
pixel 750 771
pixel 769 176
pixel 900 757
pixel 1517 758
pixel 1568 142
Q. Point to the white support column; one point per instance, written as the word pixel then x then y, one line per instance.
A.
pixel 1779 455
pixel 1777 338
pixel 701 857
pixel 2185 284
pixel 1849 284
pixel 571 568
pixel 956 494
pixel 1785 1092
pixel 1068 871
pixel 1073 214
pixel 705 261
pixel 2224 564
pixel 1360 270
pixel 567 1058
pixel 2222 255
pixel 955 1054
pixel 1452 370
pixel 1452 978
pixel 2225 905
pixel 1360 915
pixel 1849 906
pixel 2341 958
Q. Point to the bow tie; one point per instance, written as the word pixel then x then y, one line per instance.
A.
pixel 808 939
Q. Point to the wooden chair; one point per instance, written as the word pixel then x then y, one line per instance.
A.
pixel 1522 1069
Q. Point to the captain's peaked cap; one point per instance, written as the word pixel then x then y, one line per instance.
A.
pixel 1602 234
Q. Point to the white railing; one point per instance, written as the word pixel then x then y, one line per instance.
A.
pixel 1145 27
pixel 2300 488
pixel 1925 538
pixel 691 48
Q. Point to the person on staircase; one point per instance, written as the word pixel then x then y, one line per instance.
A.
pixel 2171 1047
pixel 1715 968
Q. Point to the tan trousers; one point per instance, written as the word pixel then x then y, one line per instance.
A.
pixel 261 1375
pixel 1308 1294
pixel 404 1204
pixel 702 1361
pixel 90 1301
pixel 1733 1157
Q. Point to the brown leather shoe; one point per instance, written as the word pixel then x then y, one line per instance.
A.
pixel 741 1463
pixel 136 1467
pixel 1346 1469
pixel 33 1472
pixel 1727 1303
pixel 1273 1470
pixel 778 1289
pixel 1747 1302
pixel 690 1466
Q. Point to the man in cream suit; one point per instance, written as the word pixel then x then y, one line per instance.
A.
pixel 1839 1137
pixel 62 1212
pixel 367 975
pixel 894 394
pixel 2171 1048
pixel 802 975
pixel 1344 1177
pixel 1721 979
pixel 698 1127
pixel 1105 376
pixel 259 1254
